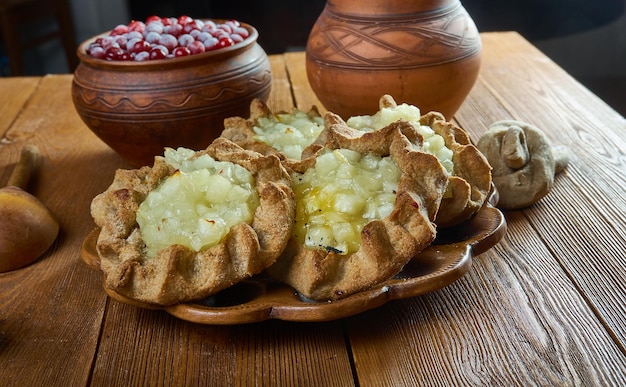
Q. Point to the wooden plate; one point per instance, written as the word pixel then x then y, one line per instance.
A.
pixel 261 298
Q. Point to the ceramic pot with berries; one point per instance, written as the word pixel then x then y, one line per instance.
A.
pixel 423 52
pixel 168 82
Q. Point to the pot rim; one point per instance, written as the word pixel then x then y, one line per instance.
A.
pixel 84 58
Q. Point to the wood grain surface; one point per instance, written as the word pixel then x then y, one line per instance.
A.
pixel 546 306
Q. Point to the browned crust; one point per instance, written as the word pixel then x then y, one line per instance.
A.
pixel 239 130
pixel 470 183
pixel 178 274
pixel 387 244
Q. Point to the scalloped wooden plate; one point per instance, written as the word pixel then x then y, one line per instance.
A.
pixel 262 298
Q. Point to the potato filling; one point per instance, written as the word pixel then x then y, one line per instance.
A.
pixel 433 143
pixel 340 195
pixel 289 133
pixel 198 204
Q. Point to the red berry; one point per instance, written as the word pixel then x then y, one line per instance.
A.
pixel 153 18
pixel 97 52
pixel 140 46
pixel 184 19
pixel 153 37
pixel 210 44
pixel 168 41
pixel 136 25
pixel 209 25
pixel 225 42
pixel 181 51
pixel 158 52
pixel 142 56
pixel 193 25
pixel 196 34
pixel 134 35
pixel 119 30
pixel 113 53
pixel 226 28
pixel 156 26
pixel 196 47
pixel 236 38
pixel 131 43
pixel 241 32
pixel 160 38
pixel 201 36
pixel 174 29
pixel 106 41
pixel 185 39
pixel 125 55
pixel 233 23
pixel 120 40
pixel 219 33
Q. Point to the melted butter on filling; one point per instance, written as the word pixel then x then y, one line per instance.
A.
pixel 340 195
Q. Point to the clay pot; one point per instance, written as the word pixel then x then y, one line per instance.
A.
pixel 423 52
pixel 138 108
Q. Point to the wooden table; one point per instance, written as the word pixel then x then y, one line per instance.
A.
pixel 546 306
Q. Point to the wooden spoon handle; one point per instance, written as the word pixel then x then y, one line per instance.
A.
pixel 29 160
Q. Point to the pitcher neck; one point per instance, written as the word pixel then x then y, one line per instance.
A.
pixel 386 7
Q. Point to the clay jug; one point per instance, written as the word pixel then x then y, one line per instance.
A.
pixel 423 52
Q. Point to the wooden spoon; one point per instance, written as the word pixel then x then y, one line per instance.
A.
pixel 27 227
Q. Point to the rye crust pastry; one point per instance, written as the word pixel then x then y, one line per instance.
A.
pixel 470 181
pixel 178 273
pixel 242 131
pixel 386 244
pixel 239 130
pixel 470 184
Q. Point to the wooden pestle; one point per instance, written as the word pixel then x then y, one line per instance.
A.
pixel 27 227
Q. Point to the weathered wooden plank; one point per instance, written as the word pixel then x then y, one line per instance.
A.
pixel 515 319
pixel 51 311
pixel 144 347
pixel 546 96
pixel 544 307
pixel 14 93
pixel 520 312
pixel 280 97
pixel 302 92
